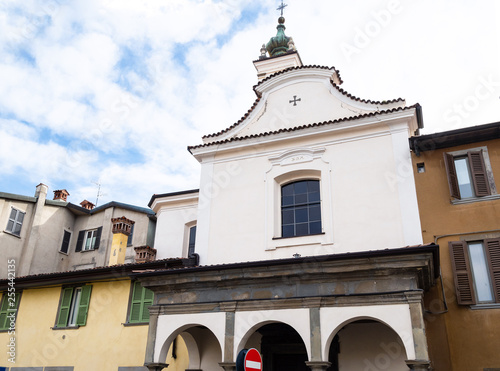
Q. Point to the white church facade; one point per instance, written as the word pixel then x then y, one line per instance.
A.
pixel 306 230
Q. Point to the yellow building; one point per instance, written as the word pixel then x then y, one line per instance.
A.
pixel 94 319
pixel 456 174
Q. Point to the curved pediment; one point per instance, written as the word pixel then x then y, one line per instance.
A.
pixel 298 97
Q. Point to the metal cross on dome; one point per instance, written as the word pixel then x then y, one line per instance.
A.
pixel 281 7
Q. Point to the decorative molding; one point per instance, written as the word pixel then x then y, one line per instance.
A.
pixel 296 156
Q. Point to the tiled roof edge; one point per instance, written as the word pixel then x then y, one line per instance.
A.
pixel 303 127
pixel 349 95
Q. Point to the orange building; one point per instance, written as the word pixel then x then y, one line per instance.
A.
pixel 456 174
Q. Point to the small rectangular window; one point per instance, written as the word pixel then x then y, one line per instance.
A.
pixel 141 300
pixel 89 240
pixel 65 242
pixel 468 175
pixel 129 239
pixel 15 222
pixel 74 306
pixel 192 240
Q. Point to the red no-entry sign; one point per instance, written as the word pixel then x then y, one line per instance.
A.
pixel 253 360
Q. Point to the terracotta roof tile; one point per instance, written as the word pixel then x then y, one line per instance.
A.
pixel 343 92
pixel 317 124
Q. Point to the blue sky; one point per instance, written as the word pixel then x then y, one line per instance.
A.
pixel 113 91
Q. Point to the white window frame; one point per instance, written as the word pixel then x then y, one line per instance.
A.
pixel 91 233
pixel 187 229
pixel 291 166
pixel 15 222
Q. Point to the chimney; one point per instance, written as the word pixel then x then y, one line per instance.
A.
pixel 61 194
pixel 144 254
pixel 121 230
pixel 87 205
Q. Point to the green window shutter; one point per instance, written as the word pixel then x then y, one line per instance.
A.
pixel 147 302
pixel 83 308
pixel 3 311
pixel 142 298
pixel 136 303
pixel 62 318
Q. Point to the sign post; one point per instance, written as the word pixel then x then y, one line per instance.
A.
pixel 249 360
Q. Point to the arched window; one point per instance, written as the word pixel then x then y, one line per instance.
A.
pixel 300 208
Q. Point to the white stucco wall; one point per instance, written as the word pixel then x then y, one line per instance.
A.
pixel 175 216
pixel 367 203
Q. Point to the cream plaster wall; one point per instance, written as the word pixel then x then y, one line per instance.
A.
pixel 103 344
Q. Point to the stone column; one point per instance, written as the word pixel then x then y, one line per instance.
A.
pixel 229 364
pixel 316 363
pixel 421 361
pixel 154 312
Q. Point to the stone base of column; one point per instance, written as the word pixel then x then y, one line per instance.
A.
pixel 228 366
pixel 318 366
pixel 418 365
pixel 156 366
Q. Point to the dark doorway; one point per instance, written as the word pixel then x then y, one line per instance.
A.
pixel 333 354
pixel 282 348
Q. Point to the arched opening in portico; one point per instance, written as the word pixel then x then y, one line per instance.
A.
pixel 192 347
pixel 368 345
pixel 281 347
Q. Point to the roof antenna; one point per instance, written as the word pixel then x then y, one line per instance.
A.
pixel 99 193
pixel 281 7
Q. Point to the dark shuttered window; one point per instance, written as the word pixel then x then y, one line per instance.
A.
pixel 74 306
pixel 89 240
pixel 467 175
pixel 141 300
pixel 65 242
pixel 476 269
pixel 300 208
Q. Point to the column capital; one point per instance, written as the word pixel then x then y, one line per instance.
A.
pixel 418 364
pixel 228 366
pixel 414 296
pixel 318 366
pixel 155 366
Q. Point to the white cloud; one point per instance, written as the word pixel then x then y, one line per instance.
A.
pixel 79 115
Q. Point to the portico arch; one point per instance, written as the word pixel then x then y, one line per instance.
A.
pixel 246 323
pixel 395 317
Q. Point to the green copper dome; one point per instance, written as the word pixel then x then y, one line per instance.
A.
pixel 278 44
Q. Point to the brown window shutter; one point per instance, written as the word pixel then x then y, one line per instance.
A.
pixel 478 172
pixel 462 272
pixel 493 255
pixel 452 175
